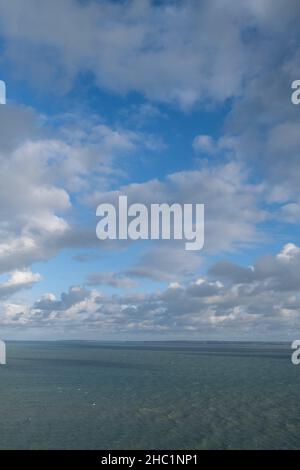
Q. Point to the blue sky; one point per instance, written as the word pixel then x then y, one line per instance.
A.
pixel 164 102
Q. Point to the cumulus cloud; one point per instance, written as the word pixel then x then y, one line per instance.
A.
pixel 278 273
pixel 240 301
pixel 44 164
pixel 127 46
pixel 17 281
pixel 232 205
pixel 30 203
pixel 170 53
pixel 165 263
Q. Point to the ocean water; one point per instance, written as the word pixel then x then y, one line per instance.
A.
pixel 88 395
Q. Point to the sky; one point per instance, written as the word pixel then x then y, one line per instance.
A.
pixel 164 102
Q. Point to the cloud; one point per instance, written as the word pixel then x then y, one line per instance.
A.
pixel 240 302
pixel 274 273
pixel 17 281
pixel 111 279
pixel 232 205
pixel 168 52
pixel 30 202
pixel 128 45
pixel 75 295
pixel 45 164
pixel 204 143
pixel 142 115
pixel 165 263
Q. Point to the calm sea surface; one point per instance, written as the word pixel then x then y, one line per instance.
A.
pixel 88 395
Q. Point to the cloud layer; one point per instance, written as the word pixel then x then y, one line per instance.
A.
pixel 199 50
pixel 231 60
pixel 235 301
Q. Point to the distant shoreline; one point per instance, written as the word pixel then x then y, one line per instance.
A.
pixel 152 342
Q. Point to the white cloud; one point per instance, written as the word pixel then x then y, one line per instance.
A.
pixel 128 46
pixel 17 281
pixel 232 205
pixel 50 162
pixel 204 143
pixel 242 302
pixel 169 52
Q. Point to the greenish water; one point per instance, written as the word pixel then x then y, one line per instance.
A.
pixel 86 395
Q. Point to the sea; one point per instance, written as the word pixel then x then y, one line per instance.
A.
pixel 149 395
